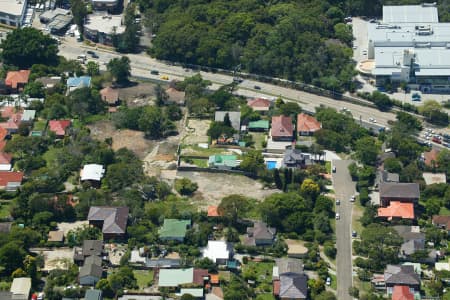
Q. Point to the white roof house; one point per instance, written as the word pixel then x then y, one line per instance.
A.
pixel 218 251
pixel 92 172
pixel 136 258
pixel 20 288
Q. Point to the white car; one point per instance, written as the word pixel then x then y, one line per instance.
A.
pixel 338 216
pixel 338 202
pixel 352 199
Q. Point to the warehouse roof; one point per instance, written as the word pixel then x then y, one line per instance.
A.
pixel 424 13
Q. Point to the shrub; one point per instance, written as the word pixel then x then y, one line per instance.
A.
pixel 185 187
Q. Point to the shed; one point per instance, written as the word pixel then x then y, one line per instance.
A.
pixel 20 288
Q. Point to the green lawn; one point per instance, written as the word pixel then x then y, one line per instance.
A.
pixel 4 209
pixel 333 282
pixel 258 138
pixel 40 125
pixel 194 150
pixel 444 211
pixel 328 166
pixel 143 277
pixel 265 297
pixel 202 163
pixel 261 272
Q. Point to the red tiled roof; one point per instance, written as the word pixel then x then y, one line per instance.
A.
pixel 5 158
pixel 198 276
pixel 59 126
pixel 259 103
pixel 7 112
pixel 431 156
pixel 3 134
pixel 212 211
pixel 402 292
pixel 276 287
pixel 7 177
pixel 282 126
pixel 214 278
pixel 13 78
pixel 307 123
pixel 9 125
pixel 397 209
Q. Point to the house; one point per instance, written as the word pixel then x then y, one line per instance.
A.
pixel 56 236
pixel 434 178
pixel 401 275
pixel 402 192
pixel 286 265
pixel 282 128
pixel 291 286
pixel 92 172
pixel 260 104
pixel 307 125
pixel 111 220
pixel 402 292
pixel 442 222
pixel 28 115
pixel 197 293
pixel 213 211
pixel 175 96
pixel 430 158
pixel 93 294
pixel 5 227
pixel 260 235
pixel 136 258
pixel 175 277
pixel 397 210
pixel 110 95
pixel 385 176
pixel 294 158
pixel 234 116
pixel 20 288
pixel 13 119
pixel 59 127
pixel 16 80
pixel 89 248
pixel 407 232
pixel 260 125
pixel 91 271
pixel 3 134
pixel 223 162
pixel 174 229
pixel 49 82
pixel 5 161
pixel 10 181
pixel 74 83
pixel 218 251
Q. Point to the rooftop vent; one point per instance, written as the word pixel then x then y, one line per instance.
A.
pixel 429 4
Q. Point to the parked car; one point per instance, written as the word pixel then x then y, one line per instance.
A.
pixel 354 234
pixel 154 72
pixel 338 216
pixel 328 281
pixel 334 169
pixel 338 202
pixel 352 199
pixel 437 140
pixel 165 77
pixel 257 87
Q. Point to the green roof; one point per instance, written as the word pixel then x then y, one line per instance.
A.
pixel 260 124
pixel 174 228
pixel 222 160
pixel 175 277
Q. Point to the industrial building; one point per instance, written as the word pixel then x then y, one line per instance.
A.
pixel 102 27
pixel 410 45
pixel 12 12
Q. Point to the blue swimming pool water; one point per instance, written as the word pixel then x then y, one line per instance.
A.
pixel 271 164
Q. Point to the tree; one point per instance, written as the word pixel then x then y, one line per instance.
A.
pixel 34 89
pixel 27 46
pixel 392 165
pixel 185 187
pixel 122 278
pixel 409 120
pixel 11 256
pixel 309 189
pixel 85 101
pixel 79 12
pixel 120 69
pixel 253 162
pixel 161 95
pixel 432 111
pixel 382 101
pixel 217 129
pixel 367 150
pixel 92 68
pixel 154 122
pixel 290 109
pixel 233 208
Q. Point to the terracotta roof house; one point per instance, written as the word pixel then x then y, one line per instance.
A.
pixel 282 128
pixel 401 275
pixel 402 192
pixel 112 220
pixel 307 125
pixel 5 161
pixel 175 96
pixel 260 235
pixel 91 271
pixel 212 211
pixel 59 127
pixel 430 157
pixel 200 276
pixel 260 104
pixel 10 181
pixel 3 134
pixel 110 95
pixel 402 292
pixel 397 210
pixel 16 80
pixel 442 222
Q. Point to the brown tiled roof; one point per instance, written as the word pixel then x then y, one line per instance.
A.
pixel 307 123
pixel 13 78
pixel 198 276
pixel 114 218
pixel 441 220
pixel 401 275
pixel 212 211
pixel 397 190
pixel 109 95
pixel 282 126
pixel 59 126
pixel 5 158
pixel 259 103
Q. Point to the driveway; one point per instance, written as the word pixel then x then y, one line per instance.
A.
pixel 344 188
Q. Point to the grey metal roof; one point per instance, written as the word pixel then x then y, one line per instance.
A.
pixel 92 247
pixel 114 218
pixel 410 13
pixel 92 267
pixel 260 230
pixel 289 265
pixel 293 285
pixel 93 294
pixel 412 246
pixel 402 275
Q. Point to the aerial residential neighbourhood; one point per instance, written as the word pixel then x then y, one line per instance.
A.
pixel 224 150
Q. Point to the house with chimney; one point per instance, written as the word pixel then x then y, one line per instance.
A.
pixel 282 128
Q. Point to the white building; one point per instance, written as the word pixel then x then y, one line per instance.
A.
pixel 410 45
pixel 101 27
pixel 218 251
pixel 20 288
pixel 92 172
pixel 12 12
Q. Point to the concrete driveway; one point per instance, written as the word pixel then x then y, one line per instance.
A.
pixel 344 188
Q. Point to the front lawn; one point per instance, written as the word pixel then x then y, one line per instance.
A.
pixel 4 209
pixel 144 278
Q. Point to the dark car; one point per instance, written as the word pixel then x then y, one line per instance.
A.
pixel 257 87
pixel 90 52
pixel 154 72
pixel 95 56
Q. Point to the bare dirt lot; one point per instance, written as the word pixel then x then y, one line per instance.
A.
pixel 122 138
pixel 66 227
pixel 212 187
pixel 196 131
pixel 143 93
pixel 57 259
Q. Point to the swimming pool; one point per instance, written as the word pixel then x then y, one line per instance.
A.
pixel 271 164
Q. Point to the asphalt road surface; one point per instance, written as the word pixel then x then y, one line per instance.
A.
pixel 344 188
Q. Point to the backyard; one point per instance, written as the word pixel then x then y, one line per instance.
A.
pixel 261 274
pixel 144 278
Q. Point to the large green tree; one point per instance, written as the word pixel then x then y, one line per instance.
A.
pixel 25 47
pixel 120 68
